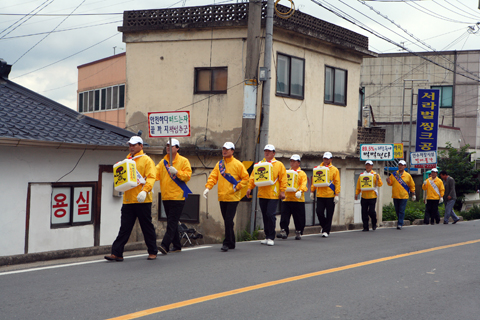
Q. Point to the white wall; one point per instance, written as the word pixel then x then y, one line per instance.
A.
pixel 110 214
pixel 20 166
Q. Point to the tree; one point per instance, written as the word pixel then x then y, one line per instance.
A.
pixel 458 165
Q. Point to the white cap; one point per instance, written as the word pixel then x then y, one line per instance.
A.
pixel 295 157
pixel 229 145
pixel 135 140
pixel 402 162
pixel 327 155
pixel 369 162
pixel 174 143
pixel 435 170
pixel 269 147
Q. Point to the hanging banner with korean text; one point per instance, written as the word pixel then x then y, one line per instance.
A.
pixel 398 150
pixel 376 152
pixel 169 124
pixel 427 119
pixel 424 159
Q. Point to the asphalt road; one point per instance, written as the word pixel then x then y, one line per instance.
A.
pixel 420 272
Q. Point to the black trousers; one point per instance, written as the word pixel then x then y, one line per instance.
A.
pixel 229 208
pixel 431 212
pixel 173 210
pixel 325 204
pixel 295 209
pixel 130 213
pixel 368 210
pixel 269 209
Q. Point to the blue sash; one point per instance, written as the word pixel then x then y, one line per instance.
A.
pixel 402 183
pixel 179 182
pixel 228 176
pixel 332 186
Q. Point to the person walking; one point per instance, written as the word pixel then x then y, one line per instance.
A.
pixel 402 187
pixel 327 197
pixel 449 197
pixel 294 203
pixel 137 204
pixel 435 191
pixel 369 198
pixel 270 195
pixel 174 190
pixel 232 177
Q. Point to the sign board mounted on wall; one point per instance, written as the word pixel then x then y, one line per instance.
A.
pixel 169 124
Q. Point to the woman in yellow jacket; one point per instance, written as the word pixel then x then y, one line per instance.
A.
pixel 232 177
pixel 369 198
pixel 173 179
pixel 327 197
pixel 435 191
pixel 294 203
pixel 270 195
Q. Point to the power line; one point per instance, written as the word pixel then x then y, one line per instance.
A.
pixel 60 14
pixel 24 17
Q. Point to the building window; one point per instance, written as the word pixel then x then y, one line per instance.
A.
pixel 290 76
pixel 72 204
pixel 335 86
pixel 211 80
pixel 102 99
pixel 446 96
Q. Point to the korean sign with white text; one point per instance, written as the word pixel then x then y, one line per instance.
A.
pixel 376 152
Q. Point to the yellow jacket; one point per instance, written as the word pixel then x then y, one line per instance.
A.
pixel 369 194
pixel 273 191
pixel 431 193
pixel 302 185
pixel 146 167
pixel 225 189
pixel 398 191
pixel 170 190
pixel 327 192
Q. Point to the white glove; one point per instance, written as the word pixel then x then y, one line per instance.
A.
pixel 336 199
pixel 441 200
pixel 141 196
pixel 172 170
pixel 414 198
pixel 205 193
pixel 312 195
pixel 298 194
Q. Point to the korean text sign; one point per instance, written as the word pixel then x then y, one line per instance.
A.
pixel 376 152
pixel 71 205
pixel 424 157
pixel 169 124
pixel 427 120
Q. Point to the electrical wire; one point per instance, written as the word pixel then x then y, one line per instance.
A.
pixel 47 34
pixel 24 17
pixel 66 174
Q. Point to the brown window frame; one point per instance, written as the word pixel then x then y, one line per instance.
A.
pixel 196 82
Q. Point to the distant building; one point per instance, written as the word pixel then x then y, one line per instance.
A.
pixel 101 90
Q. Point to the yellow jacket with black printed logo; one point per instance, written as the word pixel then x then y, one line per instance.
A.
pixel 369 194
pixel 302 186
pixel 431 193
pixel 146 167
pixel 170 190
pixel 225 189
pixel 271 192
pixel 327 192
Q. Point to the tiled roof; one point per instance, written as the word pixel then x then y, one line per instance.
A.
pixel 27 115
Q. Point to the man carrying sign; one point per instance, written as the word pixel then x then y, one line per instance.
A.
pixel 174 190
pixel 232 177
pixel 435 190
pixel 402 186
pixel 369 198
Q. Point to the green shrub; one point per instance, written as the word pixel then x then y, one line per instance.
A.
pixel 246 236
pixel 472 214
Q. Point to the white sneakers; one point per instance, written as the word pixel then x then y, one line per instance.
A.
pixel 270 242
pixel 325 235
pixel 264 241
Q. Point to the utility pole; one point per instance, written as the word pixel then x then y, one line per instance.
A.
pixel 248 143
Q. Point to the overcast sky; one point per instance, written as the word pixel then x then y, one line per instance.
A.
pixel 46 61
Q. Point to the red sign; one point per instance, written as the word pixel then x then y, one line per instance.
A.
pixel 426 166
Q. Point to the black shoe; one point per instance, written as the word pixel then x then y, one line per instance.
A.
pixel 365 230
pixel 455 221
pixel 374 228
pixel 445 222
pixel 224 248
pixel 162 249
pixel 399 227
